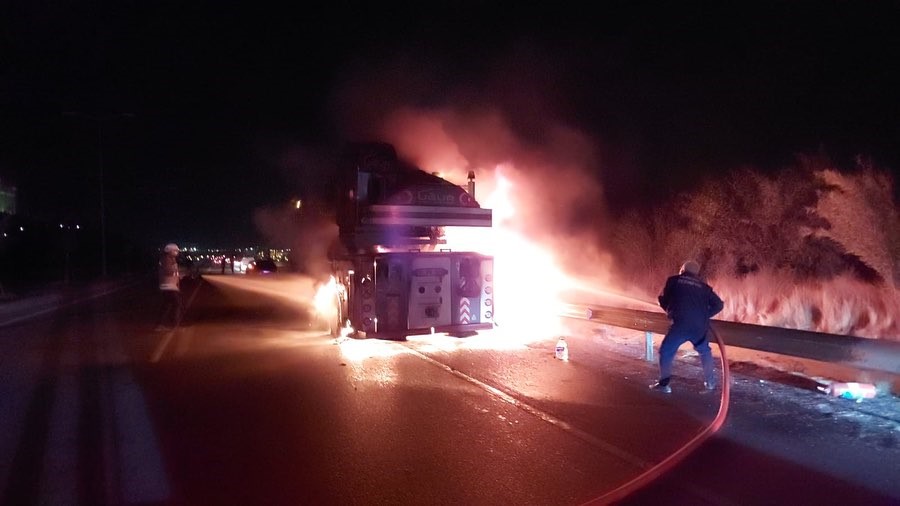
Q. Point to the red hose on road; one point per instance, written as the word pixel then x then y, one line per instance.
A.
pixel 672 460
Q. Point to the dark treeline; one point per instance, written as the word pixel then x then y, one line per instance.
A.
pixel 36 254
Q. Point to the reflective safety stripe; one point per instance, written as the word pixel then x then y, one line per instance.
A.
pixel 465 315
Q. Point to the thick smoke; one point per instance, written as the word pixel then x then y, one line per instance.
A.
pixel 505 122
pixel 309 229
pixel 308 236
pixel 510 125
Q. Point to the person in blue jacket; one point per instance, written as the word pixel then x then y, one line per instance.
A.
pixel 690 303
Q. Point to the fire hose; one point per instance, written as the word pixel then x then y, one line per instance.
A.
pixel 679 455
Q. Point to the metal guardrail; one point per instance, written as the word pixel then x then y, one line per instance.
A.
pixel 850 351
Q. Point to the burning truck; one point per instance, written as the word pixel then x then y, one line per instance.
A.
pixel 393 275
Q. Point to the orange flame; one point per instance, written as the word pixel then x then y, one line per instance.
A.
pixel 528 281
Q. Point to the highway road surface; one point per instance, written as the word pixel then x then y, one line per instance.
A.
pixel 251 402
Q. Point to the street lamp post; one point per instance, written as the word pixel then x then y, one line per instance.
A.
pixel 102 200
pixel 100 119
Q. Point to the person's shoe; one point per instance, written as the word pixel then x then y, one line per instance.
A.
pixel 659 387
pixel 708 387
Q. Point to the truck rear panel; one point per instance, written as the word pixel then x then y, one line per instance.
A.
pixel 397 294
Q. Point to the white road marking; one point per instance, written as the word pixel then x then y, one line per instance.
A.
pixel 161 347
pixel 547 417
pixel 142 474
pixel 59 476
pixel 135 459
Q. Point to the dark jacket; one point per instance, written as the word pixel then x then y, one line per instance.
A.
pixel 690 303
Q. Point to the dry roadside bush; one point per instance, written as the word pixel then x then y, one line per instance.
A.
pixel 859 207
pixel 811 247
pixel 841 305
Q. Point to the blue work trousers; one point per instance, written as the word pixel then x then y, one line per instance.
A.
pixel 670 344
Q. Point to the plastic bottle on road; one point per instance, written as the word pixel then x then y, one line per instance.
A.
pixel 856 391
pixel 562 349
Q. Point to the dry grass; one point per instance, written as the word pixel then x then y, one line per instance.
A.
pixel 811 248
pixel 842 305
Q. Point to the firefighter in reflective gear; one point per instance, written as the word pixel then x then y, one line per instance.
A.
pixel 690 303
pixel 169 288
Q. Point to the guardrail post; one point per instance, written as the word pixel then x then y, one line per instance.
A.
pixel 648 348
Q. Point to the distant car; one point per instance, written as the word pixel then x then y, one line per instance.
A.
pixel 262 266
pixel 241 265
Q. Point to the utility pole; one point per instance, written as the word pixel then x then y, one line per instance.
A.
pixel 102 201
pixel 100 119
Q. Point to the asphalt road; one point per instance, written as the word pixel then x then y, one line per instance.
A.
pixel 251 403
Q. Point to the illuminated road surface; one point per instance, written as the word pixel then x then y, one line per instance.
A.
pixel 251 404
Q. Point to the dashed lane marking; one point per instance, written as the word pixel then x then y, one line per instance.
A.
pixel 547 417
pixel 167 338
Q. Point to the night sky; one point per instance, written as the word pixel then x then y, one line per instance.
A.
pixel 231 108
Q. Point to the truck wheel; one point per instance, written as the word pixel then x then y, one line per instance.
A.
pixel 334 326
pixel 334 320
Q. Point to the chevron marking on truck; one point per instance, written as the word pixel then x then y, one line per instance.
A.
pixel 464 314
